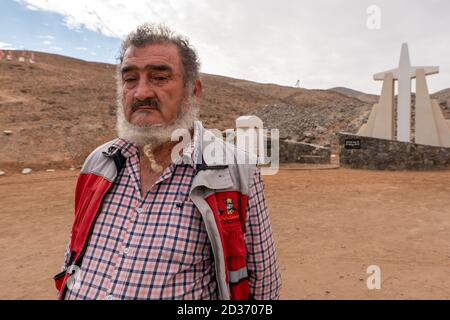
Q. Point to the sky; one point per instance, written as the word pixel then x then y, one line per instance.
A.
pixel 321 43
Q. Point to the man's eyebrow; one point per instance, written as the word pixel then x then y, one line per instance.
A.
pixel 150 67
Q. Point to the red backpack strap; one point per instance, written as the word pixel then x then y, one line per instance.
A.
pixel 230 213
pixel 94 182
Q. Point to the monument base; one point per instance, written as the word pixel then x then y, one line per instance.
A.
pixel 359 152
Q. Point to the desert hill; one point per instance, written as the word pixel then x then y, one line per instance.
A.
pixel 366 97
pixel 443 97
pixel 60 108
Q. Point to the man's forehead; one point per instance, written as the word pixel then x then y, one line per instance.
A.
pixel 153 54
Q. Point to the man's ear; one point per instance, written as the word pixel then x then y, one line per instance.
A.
pixel 198 89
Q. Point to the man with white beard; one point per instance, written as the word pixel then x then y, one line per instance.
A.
pixel 152 222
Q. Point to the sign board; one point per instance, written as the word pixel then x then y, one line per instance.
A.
pixel 352 143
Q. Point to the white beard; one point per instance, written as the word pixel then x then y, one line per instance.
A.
pixel 156 134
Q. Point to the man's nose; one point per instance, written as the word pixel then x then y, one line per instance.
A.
pixel 144 90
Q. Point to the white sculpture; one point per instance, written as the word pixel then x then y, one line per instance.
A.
pixel 430 126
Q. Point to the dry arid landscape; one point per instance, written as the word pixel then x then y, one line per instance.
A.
pixel 330 224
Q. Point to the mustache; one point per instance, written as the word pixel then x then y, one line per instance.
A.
pixel 147 102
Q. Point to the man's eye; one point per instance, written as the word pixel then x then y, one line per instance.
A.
pixel 129 79
pixel 159 79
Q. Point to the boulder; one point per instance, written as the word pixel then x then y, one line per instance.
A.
pixel 26 171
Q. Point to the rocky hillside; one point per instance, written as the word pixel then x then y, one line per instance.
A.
pixel 369 98
pixel 443 97
pixel 316 116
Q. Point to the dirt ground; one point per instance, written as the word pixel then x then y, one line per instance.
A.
pixel 329 226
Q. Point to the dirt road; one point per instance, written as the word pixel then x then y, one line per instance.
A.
pixel 329 226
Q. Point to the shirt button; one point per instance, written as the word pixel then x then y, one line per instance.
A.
pixel 109 297
pixel 125 251
pixel 139 210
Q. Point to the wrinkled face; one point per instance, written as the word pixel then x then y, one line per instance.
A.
pixel 152 84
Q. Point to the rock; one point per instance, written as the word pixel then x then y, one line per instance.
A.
pixel 72 169
pixel 343 246
pixel 8 132
pixel 26 171
pixel 309 134
pixel 50 170
pixel 2 173
pixel 320 129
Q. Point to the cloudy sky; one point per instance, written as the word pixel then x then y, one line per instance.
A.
pixel 322 43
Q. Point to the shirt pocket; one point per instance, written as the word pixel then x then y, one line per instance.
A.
pixel 187 242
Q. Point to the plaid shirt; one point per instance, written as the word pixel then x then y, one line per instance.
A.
pixel 156 247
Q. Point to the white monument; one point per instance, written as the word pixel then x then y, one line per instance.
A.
pixel 430 125
pixel 249 136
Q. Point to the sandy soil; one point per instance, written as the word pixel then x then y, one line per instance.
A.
pixel 329 226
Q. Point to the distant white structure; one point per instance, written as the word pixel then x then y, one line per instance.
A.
pixel 431 127
pixel 297 84
pixel 22 56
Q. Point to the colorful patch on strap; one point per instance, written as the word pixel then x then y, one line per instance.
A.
pixel 230 206
pixel 228 211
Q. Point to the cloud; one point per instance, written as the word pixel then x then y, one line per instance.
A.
pixel 6 46
pixel 56 48
pixel 81 48
pixel 47 42
pixel 32 8
pixel 323 43
pixel 46 37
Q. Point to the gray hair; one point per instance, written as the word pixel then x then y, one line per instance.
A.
pixel 148 34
